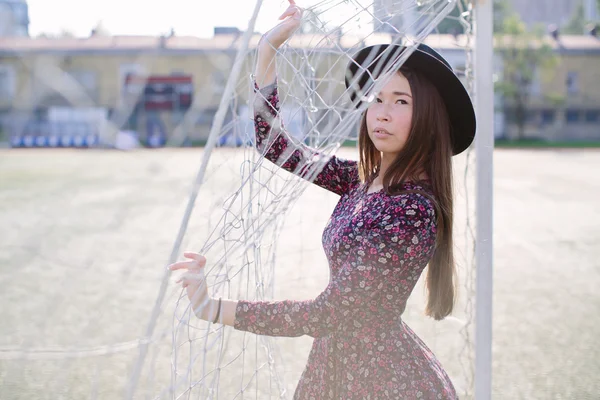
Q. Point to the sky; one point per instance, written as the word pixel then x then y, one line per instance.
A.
pixel 147 17
pixel 141 17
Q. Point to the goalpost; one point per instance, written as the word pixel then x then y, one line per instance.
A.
pixel 484 103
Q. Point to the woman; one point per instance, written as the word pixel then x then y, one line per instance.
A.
pixel 394 218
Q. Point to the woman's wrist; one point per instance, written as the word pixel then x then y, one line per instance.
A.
pixel 215 320
pixel 207 310
pixel 223 310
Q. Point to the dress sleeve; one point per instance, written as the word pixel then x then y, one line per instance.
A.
pixel 389 260
pixel 278 146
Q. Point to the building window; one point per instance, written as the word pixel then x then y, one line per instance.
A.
pixel 548 116
pixel 572 116
pixel 509 114
pixel 592 116
pixel 7 82
pixel 572 85
pixel 531 116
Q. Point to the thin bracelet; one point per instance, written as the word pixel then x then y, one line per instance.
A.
pixel 218 312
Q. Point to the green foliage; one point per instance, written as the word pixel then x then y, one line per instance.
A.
pixel 577 22
pixel 555 99
pixel 501 11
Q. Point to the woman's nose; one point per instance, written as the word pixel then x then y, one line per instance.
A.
pixel 383 113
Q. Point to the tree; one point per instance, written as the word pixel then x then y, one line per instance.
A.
pixel 100 30
pixel 577 22
pixel 501 10
pixel 524 51
pixel 64 33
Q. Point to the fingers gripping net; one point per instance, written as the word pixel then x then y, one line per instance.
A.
pixel 258 225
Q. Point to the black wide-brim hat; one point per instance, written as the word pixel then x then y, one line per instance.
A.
pixel 370 61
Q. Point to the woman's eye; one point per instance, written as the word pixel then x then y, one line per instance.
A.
pixel 399 101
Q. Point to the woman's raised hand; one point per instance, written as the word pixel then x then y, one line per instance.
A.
pixel 291 19
pixel 264 71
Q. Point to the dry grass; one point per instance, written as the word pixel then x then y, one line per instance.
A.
pixel 85 237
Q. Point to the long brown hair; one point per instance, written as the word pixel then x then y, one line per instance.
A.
pixel 429 149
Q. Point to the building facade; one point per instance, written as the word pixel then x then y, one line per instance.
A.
pixel 555 12
pixel 174 85
pixel 564 100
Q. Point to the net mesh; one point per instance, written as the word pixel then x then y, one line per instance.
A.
pixel 104 320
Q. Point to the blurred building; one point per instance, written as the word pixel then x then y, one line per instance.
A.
pixel 173 85
pixel 555 12
pixel 14 18
pixel 144 84
pixel 564 101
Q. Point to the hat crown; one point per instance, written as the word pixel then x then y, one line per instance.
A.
pixel 428 50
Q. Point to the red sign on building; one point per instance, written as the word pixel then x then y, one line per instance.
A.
pixel 161 92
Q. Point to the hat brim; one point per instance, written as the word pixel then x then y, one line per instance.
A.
pixel 458 103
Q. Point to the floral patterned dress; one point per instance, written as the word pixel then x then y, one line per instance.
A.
pixel 377 246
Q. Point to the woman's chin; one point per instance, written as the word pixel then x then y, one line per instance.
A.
pixel 385 145
pixel 383 148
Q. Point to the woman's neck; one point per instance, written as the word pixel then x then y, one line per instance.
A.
pixel 385 164
pixel 386 161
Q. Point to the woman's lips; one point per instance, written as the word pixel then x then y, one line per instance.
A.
pixel 381 133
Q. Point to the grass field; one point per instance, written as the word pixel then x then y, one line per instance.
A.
pixel 85 237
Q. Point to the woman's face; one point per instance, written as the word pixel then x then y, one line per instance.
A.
pixel 389 118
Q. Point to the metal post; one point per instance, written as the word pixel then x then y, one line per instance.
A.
pixel 484 96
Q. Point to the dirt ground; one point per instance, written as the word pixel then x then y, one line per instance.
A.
pixel 85 236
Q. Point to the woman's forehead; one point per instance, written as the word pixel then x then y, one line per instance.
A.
pixel 396 83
